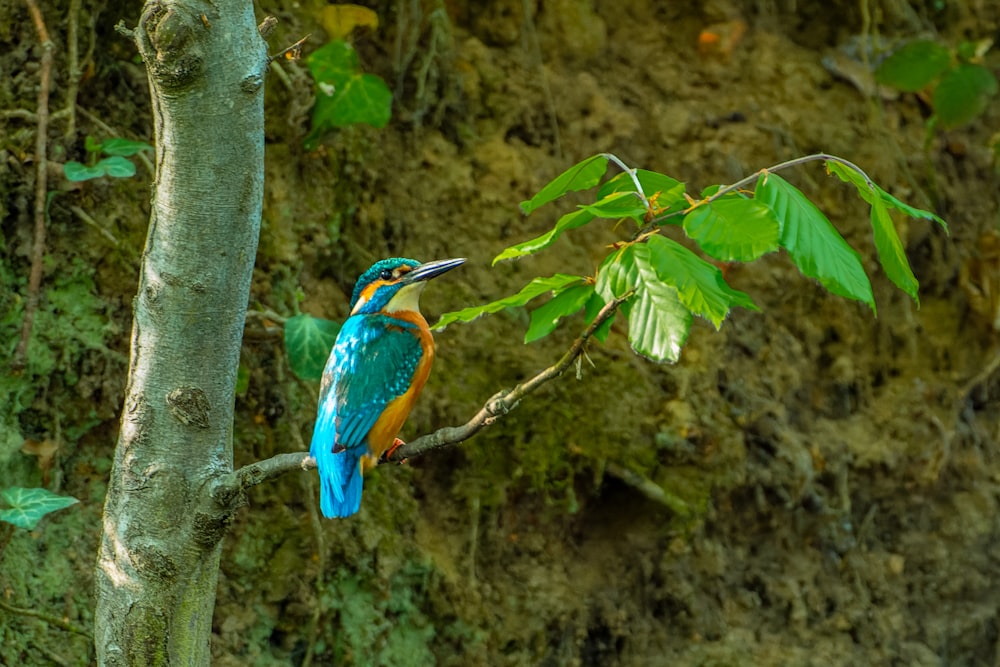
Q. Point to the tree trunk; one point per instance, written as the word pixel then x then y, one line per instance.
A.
pixel 159 553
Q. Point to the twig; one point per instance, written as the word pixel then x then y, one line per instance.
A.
pixel 266 315
pixel 112 132
pixel 41 187
pixel 23 114
pixel 6 534
pixel 48 618
pixel 53 657
pixel 757 174
pixel 73 54
pixel 648 488
pixel 293 52
pixel 632 174
pixel 504 401
pixel 235 483
pixel 83 215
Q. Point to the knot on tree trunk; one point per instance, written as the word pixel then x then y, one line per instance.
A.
pixel 166 39
pixel 190 406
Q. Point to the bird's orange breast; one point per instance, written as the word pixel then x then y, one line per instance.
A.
pixel 386 427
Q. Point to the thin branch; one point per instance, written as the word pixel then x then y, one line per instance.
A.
pixel 266 315
pixel 649 488
pixel 235 483
pixel 83 215
pixel 293 52
pixel 41 186
pixel 504 401
pixel 73 55
pixel 632 174
pixel 48 618
pixel 112 132
pixel 757 174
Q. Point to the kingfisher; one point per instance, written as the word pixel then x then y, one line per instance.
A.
pixel 374 374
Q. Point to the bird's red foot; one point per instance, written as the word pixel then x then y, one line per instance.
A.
pixel 387 455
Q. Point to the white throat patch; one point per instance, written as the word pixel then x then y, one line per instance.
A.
pixel 408 298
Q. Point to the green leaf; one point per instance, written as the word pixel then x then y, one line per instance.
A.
pixel 733 229
pixel 815 246
pixel 569 221
pixel 913 66
pixel 28 506
pixel 659 323
pixel 700 285
pixel 591 310
pixel 864 188
pixel 617 274
pixel 532 290
pixel 344 94
pixel 76 171
pixel 617 205
pixel 117 166
pixel 124 147
pixel 335 62
pixel 308 341
pixel 890 250
pixel 545 318
pixel 581 176
pixel 666 194
pixel 364 98
pixel 963 94
pixel 91 145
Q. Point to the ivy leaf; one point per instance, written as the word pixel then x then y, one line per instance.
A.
pixel 913 66
pixel 363 98
pixel 733 229
pixel 581 176
pixel 865 189
pixel 28 506
pixel 617 205
pixel 308 341
pixel 815 246
pixel 665 193
pixel 124 147
pixel 532 290
pixel 569 221
pixel 335 62
pixel 76 171
pixel 118 167
pixel 344 94
pixel 700 285
pixel 963 94
pixel 545 318
pixel 890 250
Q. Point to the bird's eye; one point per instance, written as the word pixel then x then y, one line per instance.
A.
pixel 386 274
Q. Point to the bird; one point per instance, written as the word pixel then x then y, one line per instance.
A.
pixel 376 370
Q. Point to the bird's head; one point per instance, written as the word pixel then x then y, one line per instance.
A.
pixel 393 285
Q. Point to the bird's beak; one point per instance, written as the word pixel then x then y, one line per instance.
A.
pixel 431 270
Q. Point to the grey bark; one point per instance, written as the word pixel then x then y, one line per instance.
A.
pixel 160 548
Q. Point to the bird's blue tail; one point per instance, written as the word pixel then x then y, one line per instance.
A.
pixel 340 475
pixel 340 483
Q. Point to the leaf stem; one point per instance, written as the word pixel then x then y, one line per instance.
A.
pixel 631 171
pixel 48 618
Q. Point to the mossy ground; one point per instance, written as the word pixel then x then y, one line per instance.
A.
pixel 839 472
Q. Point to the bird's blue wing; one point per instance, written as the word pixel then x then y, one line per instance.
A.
pixel 371 364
